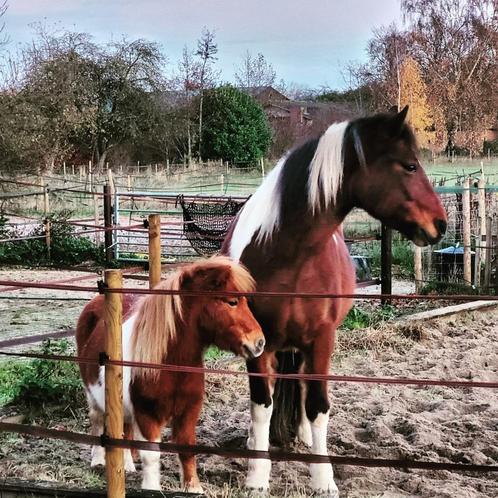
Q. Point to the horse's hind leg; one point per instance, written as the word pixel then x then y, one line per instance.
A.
pixel 183 432
pixel 128 454
pixel 317 411
pixel 304 427
pixel 97 428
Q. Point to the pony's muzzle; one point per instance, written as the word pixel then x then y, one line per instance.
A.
pixel 253 349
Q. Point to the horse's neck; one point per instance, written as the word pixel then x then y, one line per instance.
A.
pixel 307 233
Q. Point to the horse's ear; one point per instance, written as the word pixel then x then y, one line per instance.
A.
pixel 396 121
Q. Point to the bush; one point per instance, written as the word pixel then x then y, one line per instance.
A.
pixel 402 257
pixel 235 127
pixel 66 247
pixel 36 382
pixel 448 288
pixel 491 145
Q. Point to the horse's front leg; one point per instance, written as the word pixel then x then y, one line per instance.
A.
pixel 258 475
pixel 317 408
pixel 183 432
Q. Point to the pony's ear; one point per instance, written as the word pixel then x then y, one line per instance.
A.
pixel 396 122
pixel 210 279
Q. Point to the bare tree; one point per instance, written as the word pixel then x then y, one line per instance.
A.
pixel 186 83
pixel 455 42
pixel 254 71
pixel 206 51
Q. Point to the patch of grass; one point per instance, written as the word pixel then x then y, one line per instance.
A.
pixel 36 382
pixel 360 318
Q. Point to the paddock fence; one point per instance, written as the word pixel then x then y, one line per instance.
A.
pixel 112 361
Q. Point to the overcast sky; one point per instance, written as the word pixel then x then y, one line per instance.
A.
pixel 309 42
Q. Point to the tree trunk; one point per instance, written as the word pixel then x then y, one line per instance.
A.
pixel 101 161
pixel 200 124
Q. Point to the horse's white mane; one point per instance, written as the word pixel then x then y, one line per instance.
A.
pixel 261 213
pixel 326 168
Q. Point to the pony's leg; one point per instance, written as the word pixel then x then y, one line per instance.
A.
pixel 258 475
pixel 146 429
pixel 183 432
pixel 128 457
pixel 97 428
pixel 317 410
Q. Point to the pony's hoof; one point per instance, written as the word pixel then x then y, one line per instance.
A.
pixel 256 493
pixel 195 489
pixel 97 462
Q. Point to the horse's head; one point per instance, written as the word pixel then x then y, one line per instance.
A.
pixel 227 321
pixel 388 180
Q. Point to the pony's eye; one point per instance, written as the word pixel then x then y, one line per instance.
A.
pixel 411 167
pixel 233 302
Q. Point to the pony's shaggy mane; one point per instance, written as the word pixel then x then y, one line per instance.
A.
pixel 157 316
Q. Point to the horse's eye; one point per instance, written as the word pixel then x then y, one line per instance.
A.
pixel 233 302
pixel 411 167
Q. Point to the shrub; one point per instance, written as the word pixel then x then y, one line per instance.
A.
pixel 67 248
pixel 235 127
pixel 35 382
pixel 491 145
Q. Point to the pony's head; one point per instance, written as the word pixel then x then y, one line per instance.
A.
pixel 387 179
pixel 227 321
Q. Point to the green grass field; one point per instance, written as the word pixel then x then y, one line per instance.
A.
pixel 207 179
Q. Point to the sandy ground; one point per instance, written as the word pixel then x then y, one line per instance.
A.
pixel 431 423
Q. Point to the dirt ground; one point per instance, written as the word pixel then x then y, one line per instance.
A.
pixel 429 423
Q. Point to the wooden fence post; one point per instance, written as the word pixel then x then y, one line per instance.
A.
pixel 467 258
pixel 108 238
pixel 113 311
pixel 488 253
pixel 154 250
pixel 386 263
pixel 48 237
pixel 481 238
pixel 96 215
pixel 418 269
pixel 222 183
pixel 46 198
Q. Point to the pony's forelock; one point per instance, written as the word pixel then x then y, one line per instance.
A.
pixel 326 168
pixel 157 315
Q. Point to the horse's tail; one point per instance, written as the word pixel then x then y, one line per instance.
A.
pixel 286 399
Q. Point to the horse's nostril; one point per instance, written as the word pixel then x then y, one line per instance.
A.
pixel 441 226
pixel 260 344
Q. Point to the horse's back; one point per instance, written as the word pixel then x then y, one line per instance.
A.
pixel 90 333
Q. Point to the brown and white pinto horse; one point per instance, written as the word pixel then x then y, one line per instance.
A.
pixel 173 330
pixel 289 237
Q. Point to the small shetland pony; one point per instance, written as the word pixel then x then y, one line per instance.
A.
pixel 174 330
pixel 289 236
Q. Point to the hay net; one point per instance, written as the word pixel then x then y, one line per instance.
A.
pixel 205 224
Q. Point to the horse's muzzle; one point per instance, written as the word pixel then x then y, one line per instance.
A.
pixel 253 349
